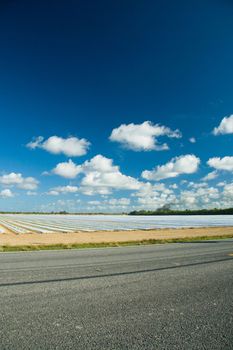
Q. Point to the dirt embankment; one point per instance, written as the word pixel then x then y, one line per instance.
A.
pixel 110 236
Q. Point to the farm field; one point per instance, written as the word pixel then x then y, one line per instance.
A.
pixel 36 223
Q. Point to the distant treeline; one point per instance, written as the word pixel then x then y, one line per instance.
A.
pixel 161 211
pixel 227 211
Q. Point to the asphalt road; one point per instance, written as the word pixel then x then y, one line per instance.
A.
pixel 176 296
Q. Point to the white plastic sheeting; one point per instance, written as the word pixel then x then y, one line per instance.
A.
pixel 22 223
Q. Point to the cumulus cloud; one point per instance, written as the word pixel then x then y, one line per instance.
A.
pixel 109 205
pixel 143 137
pixel 100 173
pixel 225 163
pixel 31 193
pixel 192 140
pixel 225 127
pixel 157 200
pixel 226 199
pixel 69 205
pixel 68 169
pixel 197 185
pixel 228 190
pixel 96 202
pixel 221 184
pixel 210 176
pixel 152 197
pixel 198 197
pixel 6 193
pixel 186 164
pixel 63 190
pixel 114 202
pixel 173 186
pixel 71 146
pixel 16 179
pixel 91 191
pixel 99 163
pixel 122 202
pixel 149 190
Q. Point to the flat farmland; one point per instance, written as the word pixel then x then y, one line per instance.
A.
pixel 38 223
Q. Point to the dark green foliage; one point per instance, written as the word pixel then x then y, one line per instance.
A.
pixel 227 211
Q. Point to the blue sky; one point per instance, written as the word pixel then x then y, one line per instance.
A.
pixel 78 70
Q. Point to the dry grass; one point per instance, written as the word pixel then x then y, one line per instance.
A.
pixel 217 234
pixel 7 248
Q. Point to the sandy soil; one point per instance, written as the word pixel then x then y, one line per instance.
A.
pixel 108 236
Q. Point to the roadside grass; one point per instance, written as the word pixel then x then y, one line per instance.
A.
pixel 10 248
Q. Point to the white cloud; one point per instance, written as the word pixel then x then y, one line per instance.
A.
pixel 210 176
pixel 111 201
pixel 183 182
pixel 53 193
pixel 36 143
pixel 71 146
pixel 25 183
pixel 100 173
pixel 94 202
pixel 90 191
pixel 11 179
pixel 6 193
pixel 221 184
pixel 225 127
pixel 226 199
pixel 158 200
pixel 197 185
pixel 152 197
pixel 110 205
pixel 225 163
pixel 149 190
pixel 122 202
pixel 187 199
pixel 63 190
pixel 69 205
pixel 29 183
pixel 99 163
pixel 203 197
pixel 68 169
pixel 142 137
pixel 173 186
pixel 186 164
pixel 228 190
pixel 192 140
pixel 31 193
pixel 197 197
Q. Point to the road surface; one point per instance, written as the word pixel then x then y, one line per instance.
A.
pixel 173 296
